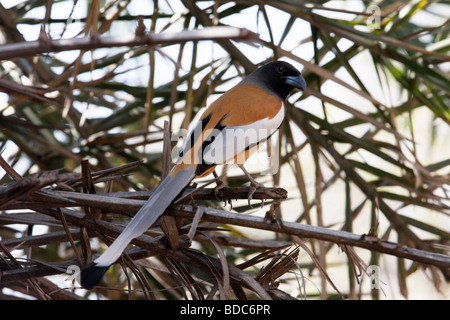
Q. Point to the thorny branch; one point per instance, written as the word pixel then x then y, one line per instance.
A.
pixel 46 45
pixel 122 203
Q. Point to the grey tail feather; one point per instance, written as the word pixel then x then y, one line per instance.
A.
pixel 152 209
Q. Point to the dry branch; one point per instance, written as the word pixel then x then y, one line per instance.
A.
pixel 114 203
pixel 132 201
pixel 47 45
pixel 151 244
pixel 40 240
pixel 314 232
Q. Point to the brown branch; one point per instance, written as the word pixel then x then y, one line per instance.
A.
pixel 314 232
pixel 111 202
pixel 29 48
pixel 131 201
pixel 40 240
pixel 206 263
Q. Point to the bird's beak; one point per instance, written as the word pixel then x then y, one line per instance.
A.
pixel 296 82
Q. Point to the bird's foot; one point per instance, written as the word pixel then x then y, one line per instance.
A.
pixel 252 189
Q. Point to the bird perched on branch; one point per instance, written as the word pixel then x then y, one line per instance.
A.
pixel 231 129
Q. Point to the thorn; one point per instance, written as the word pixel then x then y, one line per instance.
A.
pixel 140 31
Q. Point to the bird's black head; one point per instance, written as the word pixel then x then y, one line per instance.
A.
pixel 278 77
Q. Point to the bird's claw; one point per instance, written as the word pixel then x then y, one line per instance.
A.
pixel 218 188
pixel 217 191
pixel 252 189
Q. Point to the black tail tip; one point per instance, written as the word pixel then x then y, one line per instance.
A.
pixel 91 275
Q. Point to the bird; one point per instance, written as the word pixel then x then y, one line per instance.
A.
pixel 232 128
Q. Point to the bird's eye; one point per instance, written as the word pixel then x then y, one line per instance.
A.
pixel 281 69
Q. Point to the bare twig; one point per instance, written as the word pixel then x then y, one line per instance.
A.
pixel 206 263
pixel 127 201
pixel 320 233
pixel 30 48
pixel 114 204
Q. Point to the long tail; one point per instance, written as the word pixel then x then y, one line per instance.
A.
pixel 152 209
